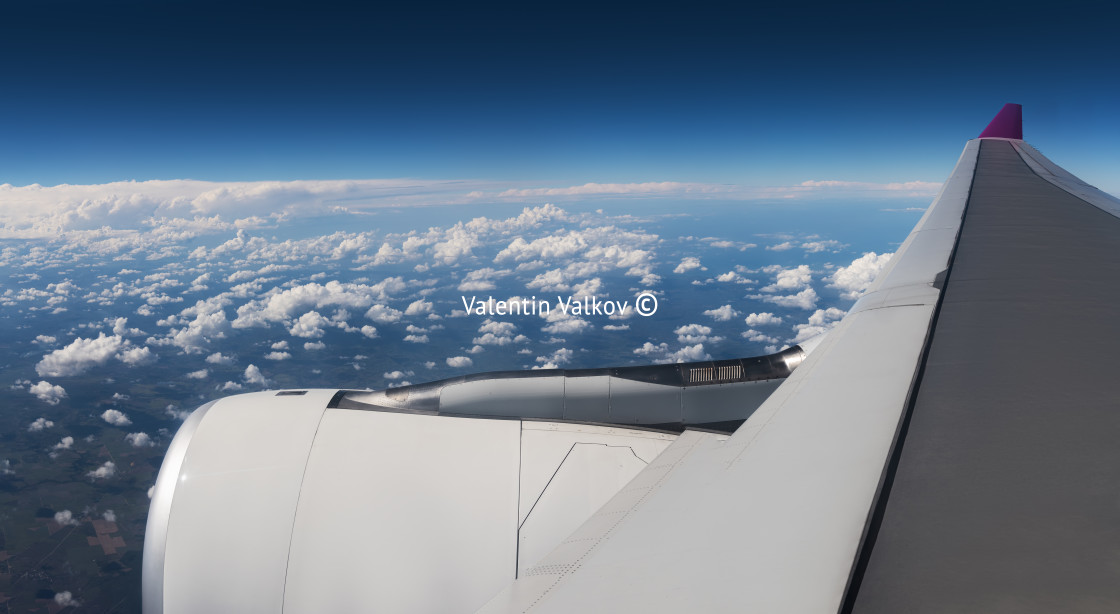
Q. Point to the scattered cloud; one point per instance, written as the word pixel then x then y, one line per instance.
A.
pixel 762 319
pixel 40 424
pixel 459 362
pixel 855 278
pixel 115 417
pixel 47 392
pixel 139 440
pixel 722 314
pixel 105 471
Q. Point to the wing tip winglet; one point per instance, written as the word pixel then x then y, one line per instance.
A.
pixel 1007 124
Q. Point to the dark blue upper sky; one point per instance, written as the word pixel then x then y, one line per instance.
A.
pixel 552 94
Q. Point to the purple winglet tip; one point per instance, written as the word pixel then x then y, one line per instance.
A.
pixel 1007 124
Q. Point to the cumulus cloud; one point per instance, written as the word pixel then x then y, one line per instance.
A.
pixel 789 280
pixel 79 356
pixel 64 444
pixel 277 356
pixel 814 247
pixel 314 345
pixel 106 471
pixel 176 413
pixel 661 353
pixel 66 599
pixel 139 440
pixel 722 314
pixel 555 360
pixel 806 299
pixel 6 467
pixel 65 518
pixel 689 263
pixel 217 358
pixel 202 324
pixel 137 356
pixel 283 306
pixel 695 333
pixel 419 307
pixel 47 392
pixel 200 374
pixel 115 417
pixel 109 516
pixel 309 326
pixel 459 361
pixel 855 278
pixel 40 424
pixel 369 331
pixel 762 319
pixel 253 375
pixel 821 321
pixel 497 333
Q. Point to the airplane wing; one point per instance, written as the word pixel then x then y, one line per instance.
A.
pixel 949 446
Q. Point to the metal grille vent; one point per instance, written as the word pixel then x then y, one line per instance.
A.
pixel 705 375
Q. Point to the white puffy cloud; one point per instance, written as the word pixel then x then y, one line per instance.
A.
pixel 369 331
pixel 689 263
pixel 555 360
pixel 383 314
pixel 108 470
pixel 821 321
pixel 200 374
pixel 137 356
pixel 204 322
pixel 789 280
pixel 44 340
pixel 814 247
pixel 139 440
pixel 309 326
pixel 497 333
pixel 722 314
pixel 65 518
pixel 314 345
pixel 394 375
pixel 176 413
pixel 459 361
pixel 695 333
pixel 855 278
pixel 661 353
pixel 284 305
pixel 419 307
pixel 481 280
pixel 780 247
pixel 66 599
pixel 277 356
pixel 115 417
pixel 280 345
pixel 47 392
pixel 81 355
pixel 758 337
pixel 109 516
pixel 217 358
pixel 806 299
pixel 64 444
pixel 40 424
pixel 762 319
pixel 253 375
pixel 733 277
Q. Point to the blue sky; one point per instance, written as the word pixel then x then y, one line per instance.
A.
pixel 749 96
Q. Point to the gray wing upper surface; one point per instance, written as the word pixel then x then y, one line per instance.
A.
pixel 950 447
pixel 1006 496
